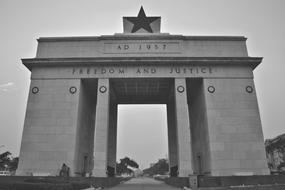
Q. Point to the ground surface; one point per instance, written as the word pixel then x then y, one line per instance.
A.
pixel 143 184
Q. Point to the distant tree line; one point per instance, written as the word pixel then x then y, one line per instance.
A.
pixel 123 167
pixel 161 167
pixel 275 153
pixel 7 162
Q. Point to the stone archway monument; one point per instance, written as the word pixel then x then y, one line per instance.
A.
pixel 206 82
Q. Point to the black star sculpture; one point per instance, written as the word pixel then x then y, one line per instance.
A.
pixel 141 21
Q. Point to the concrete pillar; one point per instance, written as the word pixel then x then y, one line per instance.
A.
pixel 101 129
pixel 235 134
pixel 49 134
pixel 112 142
pixel 183 128
pixel 172 139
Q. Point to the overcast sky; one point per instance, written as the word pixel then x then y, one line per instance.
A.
pixel 22 22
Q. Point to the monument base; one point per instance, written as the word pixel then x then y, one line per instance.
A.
pixel 224 182
pixel 36 182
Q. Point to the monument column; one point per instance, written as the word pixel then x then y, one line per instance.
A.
pixel 172 138
pixel 101 129
pixel 112 142
pixel 183 128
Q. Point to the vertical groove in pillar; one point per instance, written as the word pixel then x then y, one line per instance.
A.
pixel 101 128
pixel 183 128
pixel 172 139
pixel 112 142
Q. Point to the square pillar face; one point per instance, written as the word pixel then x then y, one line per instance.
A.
pixel 183 128
pixel 85 128
pixel 49 135
pixel 199 127
pixel 101 129
pixel 235 135
pixel 112 142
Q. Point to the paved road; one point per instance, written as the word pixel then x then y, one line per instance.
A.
pixel 143 184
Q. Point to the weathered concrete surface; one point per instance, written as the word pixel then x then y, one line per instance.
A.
pixel 78 81
pixel 142 184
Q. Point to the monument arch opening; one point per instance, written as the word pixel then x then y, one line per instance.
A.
pixel 142 133
pixel 141 91
pixel 165 91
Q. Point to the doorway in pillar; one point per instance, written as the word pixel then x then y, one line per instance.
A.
pixel 142 133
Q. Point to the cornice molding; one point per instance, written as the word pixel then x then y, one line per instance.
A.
pixel 43 62
pixel 142 37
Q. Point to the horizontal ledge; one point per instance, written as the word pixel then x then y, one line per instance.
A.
pixel 37 62
pixel 161 36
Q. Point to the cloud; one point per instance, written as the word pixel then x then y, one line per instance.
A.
pixel 6 87
pixel 6 84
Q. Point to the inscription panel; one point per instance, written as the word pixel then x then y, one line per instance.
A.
pixel 193 71
pixel 142 47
